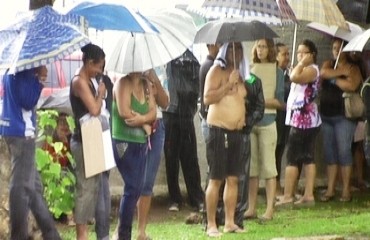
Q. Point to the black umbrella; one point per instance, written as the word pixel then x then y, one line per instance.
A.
pixel 233 30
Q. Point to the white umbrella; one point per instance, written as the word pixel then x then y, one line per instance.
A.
pixel 137 52
pixel 336 31
pixel 359 43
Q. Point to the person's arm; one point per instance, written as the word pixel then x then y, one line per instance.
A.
pixel 258 108
pixel 28 91
pixel 278 101
pixel 327 71
pixel 351 81
pixel 160 95
pixel 303 72
pixel 93 103
pixel 214 90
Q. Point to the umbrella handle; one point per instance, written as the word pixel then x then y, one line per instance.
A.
pixel 234 55
pixel 294 42
pixel 340 51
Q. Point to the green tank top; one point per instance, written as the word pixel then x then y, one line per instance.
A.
pixel 121 131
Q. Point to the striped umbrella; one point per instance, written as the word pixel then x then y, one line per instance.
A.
pixel 322 11
pixel 267 11
pixel 40 37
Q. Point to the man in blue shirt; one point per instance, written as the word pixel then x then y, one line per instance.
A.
pixel 18 125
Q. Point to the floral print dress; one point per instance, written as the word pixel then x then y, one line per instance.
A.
pixel 302 111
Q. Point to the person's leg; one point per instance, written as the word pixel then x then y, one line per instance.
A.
pixel 253 179
pixel 344 130
pixel 86 193
pixel 26 191
pixel 189 163
pixel 152 165
pixel 212 193
pixel 103 206
pixel 172 143
pixel 267 140
pixel 131 167
pixel 359 158
pixel 243 183
pixel 230 199
pixel 291 175
pixel 252 198
pixel 270 198
pixel 310 174
pixel 330 156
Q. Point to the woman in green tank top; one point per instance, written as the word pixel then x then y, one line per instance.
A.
pixel 133 112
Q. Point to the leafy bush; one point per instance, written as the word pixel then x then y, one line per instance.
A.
pixel 58 181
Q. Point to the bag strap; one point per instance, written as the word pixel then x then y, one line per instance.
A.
pixel 365 84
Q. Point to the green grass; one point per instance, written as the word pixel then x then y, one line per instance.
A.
pixel 333 218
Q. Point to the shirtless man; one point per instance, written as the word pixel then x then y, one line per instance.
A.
pixel 224 92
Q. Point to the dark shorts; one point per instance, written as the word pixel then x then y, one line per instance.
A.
pixel 224 153
pixel 301 146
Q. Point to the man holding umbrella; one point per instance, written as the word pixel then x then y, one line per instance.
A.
pixel 18 125
pixel 224 93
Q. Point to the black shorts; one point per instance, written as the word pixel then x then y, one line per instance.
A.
pixel 224 153
pixel 301 146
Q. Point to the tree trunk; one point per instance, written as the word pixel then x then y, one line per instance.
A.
pixel 4 191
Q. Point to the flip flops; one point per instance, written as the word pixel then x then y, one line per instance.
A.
pixel 234 230
pixel 214 233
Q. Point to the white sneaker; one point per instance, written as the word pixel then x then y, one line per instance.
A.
pixel 174 207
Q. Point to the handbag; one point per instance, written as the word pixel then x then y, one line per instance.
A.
pixel 354 106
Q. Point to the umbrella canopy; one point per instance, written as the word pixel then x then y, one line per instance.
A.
pixel 322 11
pixel 138 52
pixel 336 31
pixel 359 43
pixel 39 37
pixel 58 101
pixel 233 30
pixel 267 11
pixel 109 16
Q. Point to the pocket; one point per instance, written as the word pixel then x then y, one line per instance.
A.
pixel 121 148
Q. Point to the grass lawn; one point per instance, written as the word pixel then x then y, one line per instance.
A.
pixel 350 220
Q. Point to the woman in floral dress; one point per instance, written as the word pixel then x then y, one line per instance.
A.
pixel 304 119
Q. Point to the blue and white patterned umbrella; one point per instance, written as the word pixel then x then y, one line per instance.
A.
pixel 109 16
pixel 40 37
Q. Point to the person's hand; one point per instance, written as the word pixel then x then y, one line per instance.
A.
pixel 101 89
pixel 148 129
pixel 306 60
pixel 232 84
pixel 136 120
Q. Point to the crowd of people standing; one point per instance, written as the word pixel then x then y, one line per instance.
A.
pixel 250 123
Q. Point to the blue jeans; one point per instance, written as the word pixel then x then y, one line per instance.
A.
pixel 337 135
pixel 26 192
pixel 130 159
pixel 102 210
pixel 153 159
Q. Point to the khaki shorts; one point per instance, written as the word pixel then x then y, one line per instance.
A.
pixel 263 144
pixel 86 194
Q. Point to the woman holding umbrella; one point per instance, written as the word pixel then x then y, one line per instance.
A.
pixel 338 131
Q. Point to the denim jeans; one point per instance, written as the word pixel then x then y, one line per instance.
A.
pixel 130 159
pixel 102 210
pixel 337 135
pixel 153 159
pixel 26 192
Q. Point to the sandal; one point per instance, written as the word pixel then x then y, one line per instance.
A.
pixel 214 233
pixel 345 199
pixel 326 198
